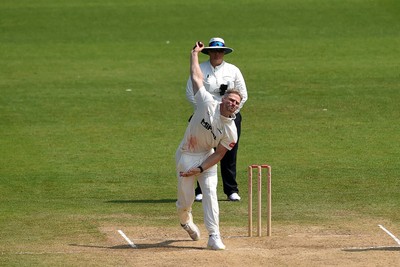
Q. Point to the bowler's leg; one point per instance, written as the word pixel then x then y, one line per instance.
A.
pixel 185 198
pixel 208 182
pixel 186 194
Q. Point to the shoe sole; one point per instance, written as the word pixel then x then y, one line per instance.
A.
pixel 196 238
pixel 196 235
pixel 210 247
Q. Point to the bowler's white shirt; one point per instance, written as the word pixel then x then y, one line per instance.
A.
pixel 207 128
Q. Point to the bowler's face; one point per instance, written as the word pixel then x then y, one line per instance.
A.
pixel 231 102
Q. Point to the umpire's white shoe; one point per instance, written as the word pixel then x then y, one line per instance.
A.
pixel 234 197
pixel 215 243
pixel 192 230
pixel 199 197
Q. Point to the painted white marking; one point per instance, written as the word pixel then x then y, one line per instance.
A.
pixel 127 239
pixel 390 234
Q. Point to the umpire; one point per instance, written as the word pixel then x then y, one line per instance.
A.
pixel 218 76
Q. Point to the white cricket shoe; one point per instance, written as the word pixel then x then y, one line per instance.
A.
pixel 199 197
pixel 234 197
pixel 192 230
pixel 215 243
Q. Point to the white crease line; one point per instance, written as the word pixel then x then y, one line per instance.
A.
pixel 390 234
pixel 127 239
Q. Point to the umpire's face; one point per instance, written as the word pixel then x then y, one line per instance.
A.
pixel 216 57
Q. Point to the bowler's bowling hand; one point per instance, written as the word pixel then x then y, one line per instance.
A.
pixel 191 172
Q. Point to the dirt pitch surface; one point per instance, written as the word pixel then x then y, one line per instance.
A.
pixel 350 244
pixel 356 245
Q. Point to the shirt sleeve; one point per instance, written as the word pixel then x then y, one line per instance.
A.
pixel 189 93
pixel 203 97
pixel 230 137
pixel 241 86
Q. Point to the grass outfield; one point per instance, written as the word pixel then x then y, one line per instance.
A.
pixel 92 108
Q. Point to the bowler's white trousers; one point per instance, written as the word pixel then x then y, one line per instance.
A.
pixel 208 181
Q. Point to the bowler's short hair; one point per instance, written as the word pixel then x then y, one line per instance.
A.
pixel 233 91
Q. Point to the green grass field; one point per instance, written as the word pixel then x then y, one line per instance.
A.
pixel 78 150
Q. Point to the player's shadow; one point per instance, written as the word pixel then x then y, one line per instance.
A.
pixel 395 248
pixel 143 201
pixel 167 244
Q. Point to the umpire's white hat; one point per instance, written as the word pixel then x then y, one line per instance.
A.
pixel 217 43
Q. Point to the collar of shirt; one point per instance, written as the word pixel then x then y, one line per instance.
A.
pixel 217 67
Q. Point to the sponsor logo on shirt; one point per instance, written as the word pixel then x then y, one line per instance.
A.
pixel 208 127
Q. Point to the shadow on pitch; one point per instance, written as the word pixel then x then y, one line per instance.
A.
pixel 395 248
pixel 167 244
pixel 144 201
